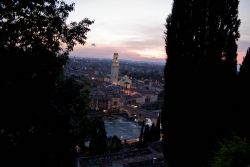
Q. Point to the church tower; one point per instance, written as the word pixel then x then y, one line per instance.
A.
pixel 115 69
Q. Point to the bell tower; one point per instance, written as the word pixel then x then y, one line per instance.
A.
pixel 115 69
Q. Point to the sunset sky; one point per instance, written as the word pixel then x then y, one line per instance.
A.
pixel 135 28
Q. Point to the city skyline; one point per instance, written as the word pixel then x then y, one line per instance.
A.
pixel 135 29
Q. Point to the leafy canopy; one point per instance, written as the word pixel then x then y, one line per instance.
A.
pixel 42 115
pixel 27 24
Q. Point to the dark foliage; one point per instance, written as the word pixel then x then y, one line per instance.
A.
pixel 157 134
pixel 231 153
pixel 41 115
pixel 98 138
pixel 152 133
pixel 243 127
pixel 141 134
pixel 245 67
pixel 200 78
pixel 114 144
pixel 146 135
pixel 149 134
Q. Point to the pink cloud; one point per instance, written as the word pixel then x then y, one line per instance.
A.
pixel 240 57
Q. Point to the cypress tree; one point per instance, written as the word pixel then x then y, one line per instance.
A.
pixel 244 92
pixel 200 73
pixel 245 67
pixel 146 135
pixel 141 134
pixel 158 130
pixel 152 133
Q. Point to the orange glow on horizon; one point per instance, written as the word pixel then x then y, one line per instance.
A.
pixel 152 54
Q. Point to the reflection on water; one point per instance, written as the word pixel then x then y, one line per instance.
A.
pixel 122 128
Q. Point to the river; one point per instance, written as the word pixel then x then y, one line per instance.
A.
pixel 121 127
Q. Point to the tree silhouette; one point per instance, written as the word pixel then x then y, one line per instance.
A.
pixel 114 144
pixel 199 78
pixel 41 114
pixel 141 134
pixel 155 132
pixel 146 135
pixel 245 67
pixel 244 91
pixel 98 139
pixel 158 129
pixel 232 152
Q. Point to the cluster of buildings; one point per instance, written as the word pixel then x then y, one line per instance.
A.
pixel 115 94
pixel 123 94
